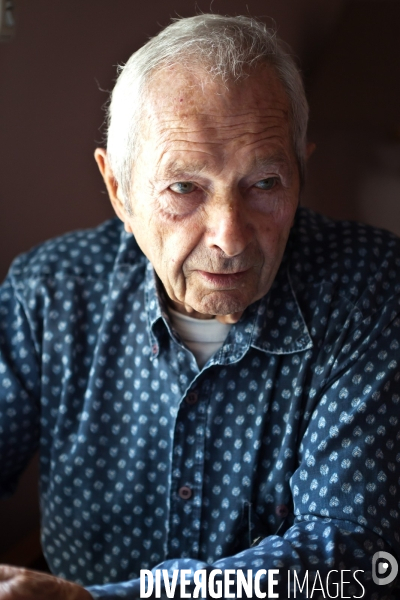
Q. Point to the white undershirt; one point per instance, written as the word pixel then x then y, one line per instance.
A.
pixel 202 336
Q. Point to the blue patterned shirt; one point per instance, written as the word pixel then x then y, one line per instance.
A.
pixel 281 453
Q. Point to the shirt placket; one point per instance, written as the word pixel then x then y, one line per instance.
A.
pixel 187 472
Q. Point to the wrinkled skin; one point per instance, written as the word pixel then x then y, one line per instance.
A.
pixel 214 190
pixel 214 194
pixel 22 584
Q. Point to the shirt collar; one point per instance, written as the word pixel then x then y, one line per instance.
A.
pixel 280 327
pixel 155 299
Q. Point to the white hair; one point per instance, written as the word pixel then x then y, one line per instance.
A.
pixel 226 48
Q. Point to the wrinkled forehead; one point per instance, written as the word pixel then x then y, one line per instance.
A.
pixel 175 95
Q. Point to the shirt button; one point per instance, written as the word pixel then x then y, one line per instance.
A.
pixel 185 492
pixel 192 397
pixel 282 510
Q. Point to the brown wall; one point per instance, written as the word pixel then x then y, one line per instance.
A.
pixel 354 95
pixel 52 81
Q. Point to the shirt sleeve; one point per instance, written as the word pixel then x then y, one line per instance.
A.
pixel 345 489
pixel 19 389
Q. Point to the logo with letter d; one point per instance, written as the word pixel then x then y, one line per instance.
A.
pixel 384 568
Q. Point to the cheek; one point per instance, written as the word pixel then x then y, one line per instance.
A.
pixel 170 243
pixel 273 228
pixel 284 217
pixel 180 241
pixel 273 233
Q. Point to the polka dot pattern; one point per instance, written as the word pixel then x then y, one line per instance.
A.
pixel 282 452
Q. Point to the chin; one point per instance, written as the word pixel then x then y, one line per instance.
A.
pixel 220 303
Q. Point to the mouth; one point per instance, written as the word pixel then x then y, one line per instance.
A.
pixel 223 280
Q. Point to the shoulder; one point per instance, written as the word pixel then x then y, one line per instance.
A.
pixel 87 253
pixel 354 259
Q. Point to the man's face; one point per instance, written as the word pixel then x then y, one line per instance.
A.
pixel 215 189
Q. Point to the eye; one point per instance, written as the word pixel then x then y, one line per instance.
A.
pixel 182 187
pixel 266 184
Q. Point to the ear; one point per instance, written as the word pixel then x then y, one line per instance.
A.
pixel 112 186
pixel 310 149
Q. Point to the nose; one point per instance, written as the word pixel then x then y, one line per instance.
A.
pixel 228 228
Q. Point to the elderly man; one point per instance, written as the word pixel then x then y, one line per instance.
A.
pixel 212 379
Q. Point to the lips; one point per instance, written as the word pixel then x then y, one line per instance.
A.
pixel 223 280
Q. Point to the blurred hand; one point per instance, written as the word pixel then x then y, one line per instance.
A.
pixel 22 584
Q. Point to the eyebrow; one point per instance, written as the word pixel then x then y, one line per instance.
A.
pixel 279 159
pixel 178 168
